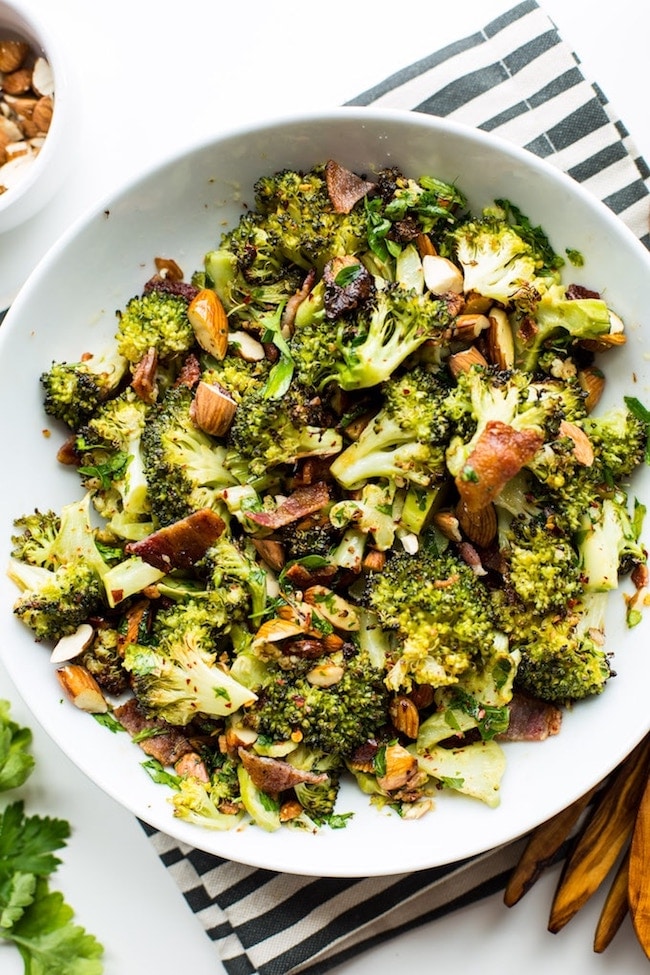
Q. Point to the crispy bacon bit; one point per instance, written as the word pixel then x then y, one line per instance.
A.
pixel 345 188
pixel 531 719
pixel 301 577
pixel 190 372
pixel 165 743
pixel 272 775
pixel 304 501
pixel 577 291
pixel 499 454
pixel 341 295
pixel 181 545
pixel 144 382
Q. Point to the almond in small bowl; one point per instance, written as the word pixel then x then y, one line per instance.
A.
pixel 34 111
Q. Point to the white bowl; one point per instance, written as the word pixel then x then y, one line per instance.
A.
pixel 44 176
pixel 178 211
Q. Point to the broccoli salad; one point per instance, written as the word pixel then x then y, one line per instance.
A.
pixel 347 505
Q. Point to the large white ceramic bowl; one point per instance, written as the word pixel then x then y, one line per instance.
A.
pixel 41 179
pixel 179 210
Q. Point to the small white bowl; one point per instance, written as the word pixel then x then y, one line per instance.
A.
pixel 44 175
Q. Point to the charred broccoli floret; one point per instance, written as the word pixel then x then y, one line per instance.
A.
pixel 74 390
pixel 104 661
pixel 185 467
pixel 439 612
pixel 228 562
pixel 111 464
pixel 406 439
pixel 543 566
pixel 499 257
pixel 619 437
pixel 563 659
pixel 154 320
pixel 388 329
pixel 176 676
pixel 59 572
pixel 335 719
pixel 272 432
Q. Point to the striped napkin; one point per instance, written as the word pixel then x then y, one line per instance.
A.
pixel 516 78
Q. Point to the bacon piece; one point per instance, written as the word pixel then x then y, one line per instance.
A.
pixel 531 719
pixel 303 501
pixel 190 372
pixel 191 765
pixel 345 188
pixel 273 775
pixel 181 545
pixel 499 454
pixel 168 744
pixel 144 377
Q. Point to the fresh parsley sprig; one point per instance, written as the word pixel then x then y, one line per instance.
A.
pixel 34 918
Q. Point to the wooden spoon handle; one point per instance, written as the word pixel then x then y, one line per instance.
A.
pixel 602 839
pixel 639 873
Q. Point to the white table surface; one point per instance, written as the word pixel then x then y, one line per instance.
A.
pixel 155 76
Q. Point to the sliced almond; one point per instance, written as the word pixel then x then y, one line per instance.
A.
pixel 480 526
pixel 213 409
pixel 246 346
pixel 582 449
pixel 592 380
pixel 405 716
pixel 425 245
pixel 469 327
pixel 401 766
pixel 344 187
pixel 500 340
pixel 9 132
pixel 441 275
pixel 276 630
pixel 271 551
pixel 82 689
pixel 463 361
pixel 42 79
pixel 210 323
pixel 447 523
pixel 325 675
pixel 70 646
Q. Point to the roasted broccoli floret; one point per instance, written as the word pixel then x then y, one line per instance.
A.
pixel 554 319
pixel 543 566
pixel 406 439
pixel 212 805
pixel 439 612
pixel 563 659
pixel 177 677
pixel 235 374
pixel 498 260
pixel 104 661
pixel 388 329
pixel 61 580
pixel 271 432
pixel 74 390
pixel 185 467
pixel 154 320
pixel 228 562
pixel 336 718
pixel 111 464
pixel 300 218
pixel 619 437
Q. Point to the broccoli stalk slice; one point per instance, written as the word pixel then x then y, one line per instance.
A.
pixel 608 538
pixel 557 318
pixel 182 681
pixel 263 809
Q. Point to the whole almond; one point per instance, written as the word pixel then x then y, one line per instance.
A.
pixel 17 82
pixel 12 54
pixel 42 114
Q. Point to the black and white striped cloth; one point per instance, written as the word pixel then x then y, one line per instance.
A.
pixel 517 78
